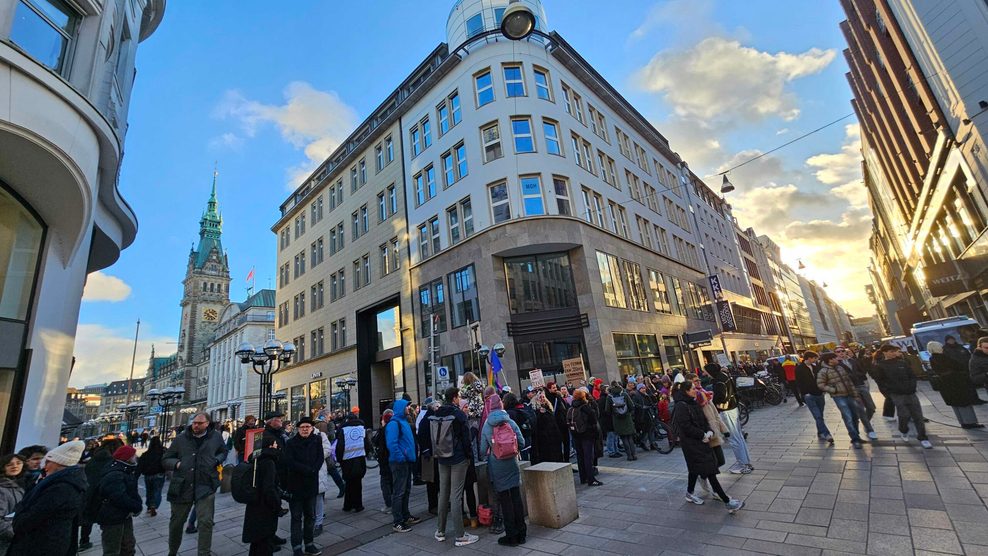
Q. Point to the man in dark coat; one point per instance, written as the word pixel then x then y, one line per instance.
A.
pixel 47 516
pixel 240 436
pixel 261 515
pixel 304 458
pixel 120 501
pixel 193 457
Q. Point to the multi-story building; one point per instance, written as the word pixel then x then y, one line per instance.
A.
pixel 68 71
pixel 787 293
pixel 830 321
pixel 919 93
pixel 81 404
pixel 867 330
pixel 115 394
pixel 233 389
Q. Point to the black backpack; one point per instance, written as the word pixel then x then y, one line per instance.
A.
pixel 243 483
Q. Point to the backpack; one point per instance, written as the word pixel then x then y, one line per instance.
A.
pixel 576 420
pixel 243 481
pixel 441 434
pixel 505 442
pixel 619 404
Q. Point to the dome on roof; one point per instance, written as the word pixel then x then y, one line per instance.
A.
pixel 472 17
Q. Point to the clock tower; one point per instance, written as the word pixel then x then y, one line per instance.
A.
pixel 207 286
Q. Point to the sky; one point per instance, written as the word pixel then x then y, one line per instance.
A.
pixel 263 96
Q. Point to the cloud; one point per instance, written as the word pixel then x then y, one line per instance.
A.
pixel 771 209
pixel 853 226
pixel 678 15
pixel 226 140
pixel 103 354
pixel 842 167
pixel 103 287
pixel 719 79
pixel 311 120
pixel 854 192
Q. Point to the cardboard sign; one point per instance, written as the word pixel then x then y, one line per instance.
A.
pixel 574 371
pixel 536 377
pixel 722 360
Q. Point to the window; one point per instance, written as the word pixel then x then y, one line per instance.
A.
pixel 432 303
pixel 366 267
pixel 500 206
pixel 317 296
pixel 339 233
pixel 353 179
pixel 363 171
pixel 638 354
pixel 588 157
pixel 357 284
pixel 485 88
pixel 299 264
pixel 466 217
pixel 551 131
pixel 597 123
pixel 514 83
pixel 610 279
pixel 612 211
pixel 636 290
pixel 650 199
pixel 424 243
pixel 283 274
pixel 539 283
pixel 464 303
pixel 379 157
pixel 573 104
pixel 531 196
pixel 416 139
pixel 660 295
pixel 419 183
pixel 490 136
pixel 44 29
pixel 449 169
pixel 395 255
pixel 475 25
pixel 563 205
pixel 364 224
pixel 334 336
pixel 316 210
pixel 389 149
pixel 643 232
pixel 384 259
pixel 521 128
pixel 317 342
pixel 442 114
pixel 317 252
pixel 575 139
pixel 339 192
pixel 283 314
pixel 286 237
pixel 662 238
pixel 461 160
pixel 542 87
pixel 382 208
pixel 426 132
pixel 434 234
pixel 430 181
pixel 332 241
pixel 299 225
pixel 342 275
pixel 453 224
pixel 454 107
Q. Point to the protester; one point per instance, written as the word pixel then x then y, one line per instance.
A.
pixel 383 463
pixel 812 395
pixel 33 457
pixel 846 359
pixel 401 458
pixel 621 411
pixel 502 440
pixel 46 518
pixel 521 414
pixel 261 515
pixel 240 437
pixel 694 435
pixel 726 402
pixel 194 456
pixel 472 402
pixel 900 383
pixel 11 493
pixel 449 443
pixel 119 502
pixel 582 421
pixel 149 465
pixel 97 465
pixel 351 452
pixel 547 441
pixel 304 458
pixel 559 408
pixel 955 385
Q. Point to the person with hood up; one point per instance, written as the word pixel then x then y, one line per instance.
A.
pixel 620 408
pixel 726 402
pixel 48 515
pixel 149 465
pixel 261 515
pixel 120 502
pixel 956 350
pixel 351 451
pixel 900 383
pixel 695 434
pixel 583 425
pixel 449 430
pixel 956 387
pixel 401 457
pixel 11 492
pixel 504 473
pixel 304 458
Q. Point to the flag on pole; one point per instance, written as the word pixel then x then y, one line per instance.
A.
pixel 496 369
pixel 250 275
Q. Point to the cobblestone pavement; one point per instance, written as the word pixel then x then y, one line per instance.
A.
pixel 805 498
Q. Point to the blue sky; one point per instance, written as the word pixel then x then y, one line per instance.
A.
pixel 265 94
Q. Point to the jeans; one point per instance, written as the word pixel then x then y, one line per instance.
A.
pixel 452 478
pixel 738 445
pixel 514 512
pixel 867 401
pixel 861 414
pixel 153 485
pixel 907 405
pixel 320 509
pixel 334 473
pixel 204 522
pixel 303 510
pixel 816 404
pixel 118 540
pixel 613 445
pixel 846 406
pixel 401 477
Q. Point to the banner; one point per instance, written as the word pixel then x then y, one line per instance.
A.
pixel 727 322
pixel 536 377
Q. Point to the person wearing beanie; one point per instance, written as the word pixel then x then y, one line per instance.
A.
pixel 119 502
pixel 726 402
pixel 48 515
pixel 304 459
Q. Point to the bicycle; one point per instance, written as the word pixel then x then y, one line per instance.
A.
pixel 743 413
pixel 665 438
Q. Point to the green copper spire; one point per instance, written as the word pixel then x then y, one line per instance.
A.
pixel 210 228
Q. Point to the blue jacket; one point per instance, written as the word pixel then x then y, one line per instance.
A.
pixel 399 437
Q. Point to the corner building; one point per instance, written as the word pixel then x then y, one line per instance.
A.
pixel 533 201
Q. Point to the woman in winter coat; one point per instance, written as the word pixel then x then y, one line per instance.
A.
pixel 583 426
pixel 119 501
pixel 11 492
pixel 261 515
pixel 547 440
pixel 98 464
pixel 149 465
pixel 694 436
pixel 351 452
pixel 705 400
pixel 504 474
pixel 956 387
pixel 622 413
pixel 472 403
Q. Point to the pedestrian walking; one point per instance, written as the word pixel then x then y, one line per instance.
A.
pixel 401 458
pixel 351 452
pixel 836 381
pixel 846 359
pixel 502 441
pixel 11 493
pixel 726 402
pixel 193 457
pixel 119 502
pixel 304 459
pixel 792 385
pixel 48 515
pixel 900 382
pixel 955 386
pixel 449 443
pixel 814 398
pixel 694 434
pixel 150 467
pixel 261 514
pixel 978 364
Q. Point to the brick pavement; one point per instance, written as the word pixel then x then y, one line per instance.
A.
pixel 803 498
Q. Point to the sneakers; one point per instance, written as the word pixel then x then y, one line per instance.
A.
pixel 401 528
pixel 873 435
pixel 904 436
pixel 733 505
pixel 856 444
pixel 312 549
pixel 694 499
pixel 829 438
pixel 926 444
pixel 414 520
pixel 747 468
pixel 440 536
pixel 737 468
pixel 466 539
pixel 891 418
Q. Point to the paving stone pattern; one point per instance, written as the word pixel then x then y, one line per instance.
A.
pixel 804 498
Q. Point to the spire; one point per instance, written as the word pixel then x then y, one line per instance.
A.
pixel 210 227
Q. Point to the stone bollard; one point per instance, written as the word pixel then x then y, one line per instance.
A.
pixel 550 494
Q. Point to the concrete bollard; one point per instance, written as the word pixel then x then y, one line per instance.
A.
pixel 550 494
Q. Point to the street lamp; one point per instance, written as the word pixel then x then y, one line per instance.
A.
pixel 165 397
pixel 133 409
pixel 346 384
pixel 484 352
pixel 263 359
pixel 518 21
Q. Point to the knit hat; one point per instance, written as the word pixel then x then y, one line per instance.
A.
pixel 67 454
pixel 305 420
pixel 124 453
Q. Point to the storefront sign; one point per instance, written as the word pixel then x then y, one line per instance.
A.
pixel 703 338
pixel 727 322
pixel 536 378
pixel 574 371
pixel 945 279
pixel 715 289
pixel 317 374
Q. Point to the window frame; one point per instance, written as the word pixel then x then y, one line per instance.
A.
pixel 478 90
pixel 517 82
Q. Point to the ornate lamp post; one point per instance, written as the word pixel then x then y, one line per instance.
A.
pixel 346 384
pixel 484 352
pixel 133 409
pixel 165 397
pixel 263 359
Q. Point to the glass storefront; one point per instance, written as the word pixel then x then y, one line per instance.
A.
pixel 547 355
pixel 297 402
pixel 674 351
pixel 540 283
pixel 637 354
pixel 318 396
